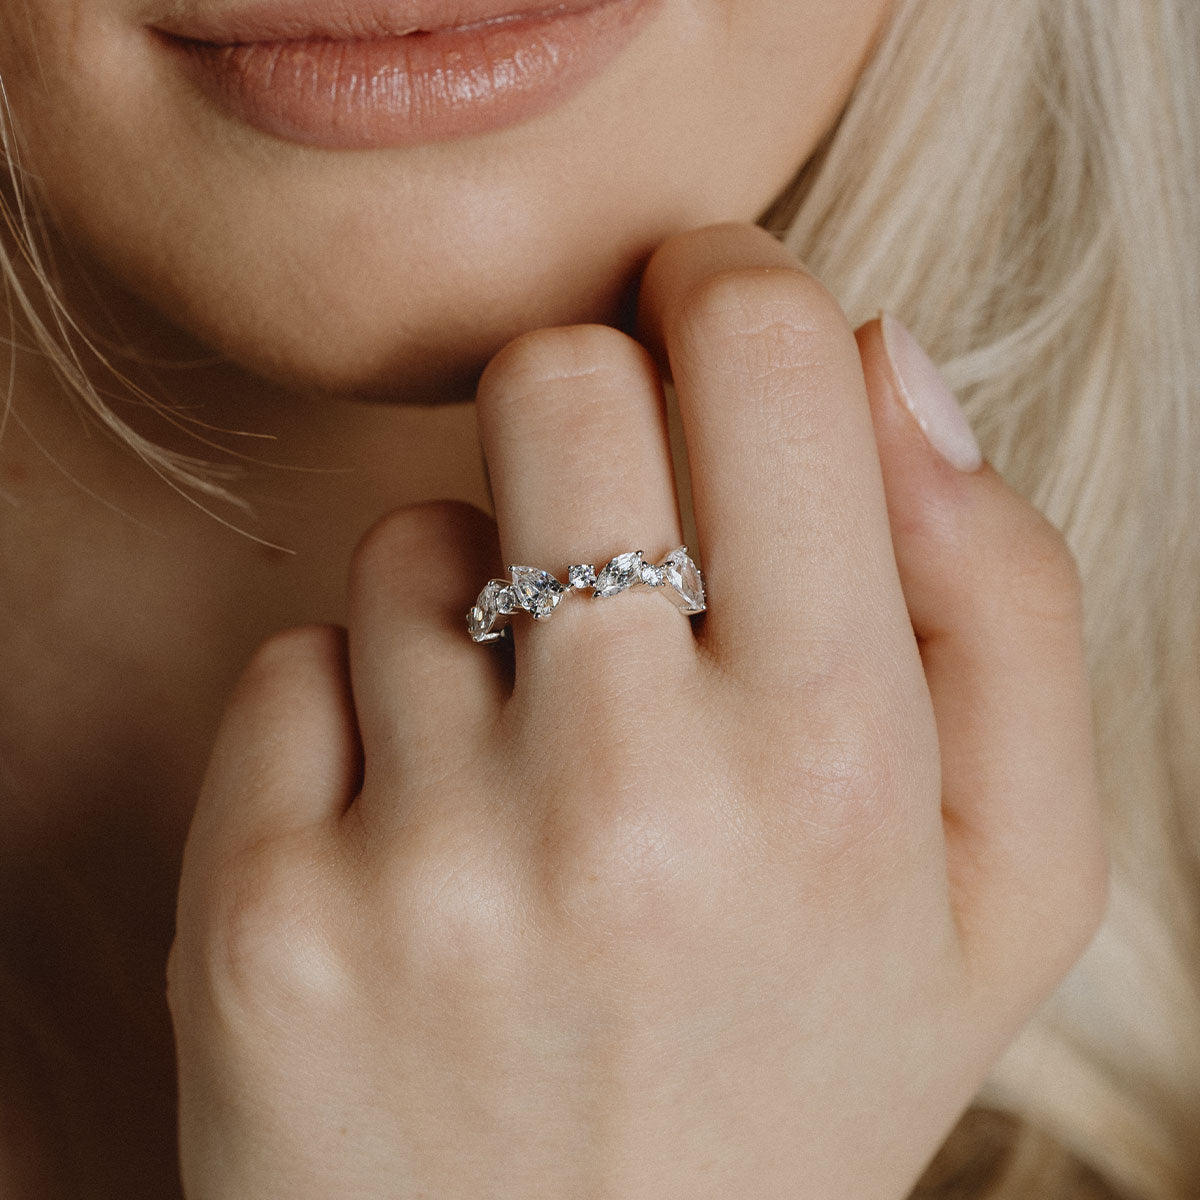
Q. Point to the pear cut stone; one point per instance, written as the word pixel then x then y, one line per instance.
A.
pixel 536 591
pixel 684 577
pixel 621 572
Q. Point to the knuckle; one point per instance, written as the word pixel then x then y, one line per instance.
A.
pixel 843 786
pixel 623 872
pixel 761 322
pixel 684 245
pixel 447 904
pixel 262 943
pixel 620 885
pixel 276 662
pixel 545 361
pixel 728 241
pixel 1042 573
pixel 415 532
pixel 835 786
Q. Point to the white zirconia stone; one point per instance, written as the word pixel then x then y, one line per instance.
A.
pixel 477 623
pixel 621 572
pixel 652 575
pixel 684 576
pixel 536 591
pixel 483 615
pixel 506 599
pixel 581 575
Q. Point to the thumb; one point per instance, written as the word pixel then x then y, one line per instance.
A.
pixel 996 604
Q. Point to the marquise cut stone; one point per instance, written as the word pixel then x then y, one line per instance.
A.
pixel 536 591
pixel 484 614
pixel 621 572
pixel 478 624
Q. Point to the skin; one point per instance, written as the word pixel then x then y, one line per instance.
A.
pixel 757 911
pixel 391 305
pixel 813 944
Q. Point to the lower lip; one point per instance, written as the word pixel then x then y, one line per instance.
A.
pixel 392 92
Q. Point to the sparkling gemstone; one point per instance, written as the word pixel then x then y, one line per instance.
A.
pixel 506 599
pixel 581 575
pixel 684 576
pixel 620 572
pixel 536 591
pixel 653 575
pixel 482 616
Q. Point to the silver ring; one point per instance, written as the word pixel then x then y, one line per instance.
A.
pixel 538 592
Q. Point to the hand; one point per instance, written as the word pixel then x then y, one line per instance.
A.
pixel 645 908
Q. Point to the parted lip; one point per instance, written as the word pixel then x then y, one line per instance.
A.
pixel 364 20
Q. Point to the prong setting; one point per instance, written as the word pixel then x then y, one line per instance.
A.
pixel 538 592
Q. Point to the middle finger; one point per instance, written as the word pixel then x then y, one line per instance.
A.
pixel 786 481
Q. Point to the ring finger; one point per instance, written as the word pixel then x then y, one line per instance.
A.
pixel 574 431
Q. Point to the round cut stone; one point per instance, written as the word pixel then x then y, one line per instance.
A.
pixel 581 575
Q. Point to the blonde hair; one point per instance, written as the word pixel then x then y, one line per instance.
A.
pixel 1020 182
pixel 41 322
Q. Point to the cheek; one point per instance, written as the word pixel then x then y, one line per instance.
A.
pixel 62 67
pixel 356 272
pixel 788 67
pixel 56 57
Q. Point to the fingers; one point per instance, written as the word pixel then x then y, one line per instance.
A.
pixel 423 688
pixel 297 747
pixel 287 753
pixel 995 601
pixel 786 485
pixel 574 431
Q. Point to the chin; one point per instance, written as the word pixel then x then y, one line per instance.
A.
pixel 394 364
pixel 426 343
pixel 423 375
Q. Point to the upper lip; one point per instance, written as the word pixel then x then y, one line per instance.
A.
pixel 223 23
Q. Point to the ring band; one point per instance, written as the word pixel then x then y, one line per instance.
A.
pixel 538 592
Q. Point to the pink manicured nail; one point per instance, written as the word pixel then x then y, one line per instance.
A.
pixel 929 398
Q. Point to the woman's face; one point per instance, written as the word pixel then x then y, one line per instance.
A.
pixel 348 216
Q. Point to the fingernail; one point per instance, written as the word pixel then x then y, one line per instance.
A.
pixel 928 397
